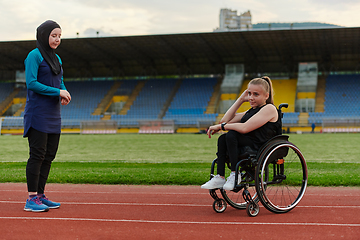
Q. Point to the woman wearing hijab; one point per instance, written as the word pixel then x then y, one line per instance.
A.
pixel 42 120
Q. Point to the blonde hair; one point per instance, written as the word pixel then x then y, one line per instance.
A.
pixel 267 85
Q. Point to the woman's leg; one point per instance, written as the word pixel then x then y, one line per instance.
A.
pixel 37 145
pixel 51 149
pixel 235 140
pixel 221 155
pixel 218 180
pixel 37 148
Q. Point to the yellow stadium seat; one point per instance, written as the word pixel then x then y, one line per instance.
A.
pixel 284 92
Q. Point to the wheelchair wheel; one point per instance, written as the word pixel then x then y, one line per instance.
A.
pixel 235 198
pixel 281 176
pixel 252 209
pixel 219 205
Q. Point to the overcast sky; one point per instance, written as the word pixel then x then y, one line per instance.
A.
pixel 20 18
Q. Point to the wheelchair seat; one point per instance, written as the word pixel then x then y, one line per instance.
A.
pixel 246 152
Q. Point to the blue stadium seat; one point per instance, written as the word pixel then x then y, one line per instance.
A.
pixel 290 118
pixel 5 90
pixel 189 104
pixel 341 96
pixel 149 102
pixel 85 97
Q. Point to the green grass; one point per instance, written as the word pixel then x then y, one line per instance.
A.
pixel 116 173
pixel 120 147
pixel 180 159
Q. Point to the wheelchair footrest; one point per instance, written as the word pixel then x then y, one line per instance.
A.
pixel 214 195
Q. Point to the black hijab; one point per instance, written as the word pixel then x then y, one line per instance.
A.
pixel 42 43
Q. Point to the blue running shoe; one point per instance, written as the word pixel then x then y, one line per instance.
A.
pixel 49 203
pixel 35 205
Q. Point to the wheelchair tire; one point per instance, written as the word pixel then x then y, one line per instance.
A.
pixel 252 209
pixel 236 200
pixel 219 205
pixel 281 176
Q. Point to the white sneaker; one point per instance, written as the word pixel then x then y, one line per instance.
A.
pixel 214 183
pixel 230 183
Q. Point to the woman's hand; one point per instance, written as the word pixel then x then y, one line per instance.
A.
pixel 244 96
pixel 213 129
pixel 64 101
pixel 65 97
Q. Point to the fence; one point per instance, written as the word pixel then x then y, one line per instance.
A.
pixel 341 125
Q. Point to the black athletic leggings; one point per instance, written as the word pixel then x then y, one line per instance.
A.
pixel 229 145
pixel 43 148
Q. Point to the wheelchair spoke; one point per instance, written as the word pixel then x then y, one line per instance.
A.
pixel 288 178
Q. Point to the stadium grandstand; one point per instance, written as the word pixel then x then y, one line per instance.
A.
pixel 185 82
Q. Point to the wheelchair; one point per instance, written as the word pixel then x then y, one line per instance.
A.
pixel 276 175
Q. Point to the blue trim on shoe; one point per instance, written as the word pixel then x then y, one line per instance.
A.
pixel 49 203
pixel 35 205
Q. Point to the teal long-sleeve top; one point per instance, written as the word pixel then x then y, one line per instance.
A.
pixel 42 110
pixel 32 63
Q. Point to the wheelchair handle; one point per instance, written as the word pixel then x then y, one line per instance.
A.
pixel 285 105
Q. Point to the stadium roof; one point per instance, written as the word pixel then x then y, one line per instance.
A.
pixel 335 49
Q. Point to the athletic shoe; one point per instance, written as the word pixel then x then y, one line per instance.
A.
pixel 49 203
pixel 35 205
pixel 230 182
pixel 214 183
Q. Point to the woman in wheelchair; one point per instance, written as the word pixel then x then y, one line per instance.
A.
pixel 249 129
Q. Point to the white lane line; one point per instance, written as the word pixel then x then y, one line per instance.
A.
pixel 163 204
pixel 182 222
pixel 127 204
pixel 118 192
pixel 170 193
pixel 328 206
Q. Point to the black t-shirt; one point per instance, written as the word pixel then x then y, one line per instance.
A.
pixel 262 134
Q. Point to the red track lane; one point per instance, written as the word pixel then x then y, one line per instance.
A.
pixel 172 212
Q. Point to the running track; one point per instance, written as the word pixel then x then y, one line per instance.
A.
pixel 172 212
